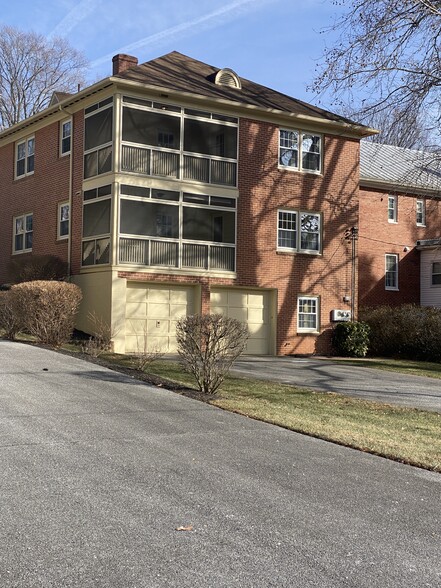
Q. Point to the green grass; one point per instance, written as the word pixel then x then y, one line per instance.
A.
pixel 405 366
pixel 407 435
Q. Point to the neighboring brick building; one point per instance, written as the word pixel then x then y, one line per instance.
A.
pixel 399 258
pixel 174 187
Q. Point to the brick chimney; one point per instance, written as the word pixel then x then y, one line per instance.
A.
pixel 122 62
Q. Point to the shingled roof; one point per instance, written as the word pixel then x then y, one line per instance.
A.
pixel 177 72
pixel 401 169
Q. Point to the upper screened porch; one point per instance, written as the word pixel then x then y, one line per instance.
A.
pixel 138 136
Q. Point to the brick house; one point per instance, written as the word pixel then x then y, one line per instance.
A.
pixel 174 187
pixel 399 258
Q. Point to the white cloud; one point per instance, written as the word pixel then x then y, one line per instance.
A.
pixel 81 11
pixel 190 27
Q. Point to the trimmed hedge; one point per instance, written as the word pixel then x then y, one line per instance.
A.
pixel 408 331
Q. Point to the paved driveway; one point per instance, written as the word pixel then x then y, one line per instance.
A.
pixel 359 381
pixel 98 471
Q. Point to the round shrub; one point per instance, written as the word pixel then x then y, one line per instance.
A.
pixel 47 309
pixel 351 339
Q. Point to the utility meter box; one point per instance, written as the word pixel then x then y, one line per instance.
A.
pixel 338 316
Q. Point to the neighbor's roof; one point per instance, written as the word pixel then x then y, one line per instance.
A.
pixel 399 168
pixel 180 73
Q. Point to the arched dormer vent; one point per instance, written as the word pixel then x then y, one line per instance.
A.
pixel 227 77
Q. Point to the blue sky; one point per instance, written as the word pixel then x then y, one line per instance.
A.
pixel 273 42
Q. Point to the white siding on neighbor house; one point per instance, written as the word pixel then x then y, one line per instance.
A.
pixel 430 295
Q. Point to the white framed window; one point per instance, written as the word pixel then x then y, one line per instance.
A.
pixel 63 220
pixel 421 213
pixel 392 209
pixel 299 150
pixel 24 157
pixel 308 314
pixel 391 271
pixel 299 231
pixel 436 273
pixel 65 137
pixel 23 233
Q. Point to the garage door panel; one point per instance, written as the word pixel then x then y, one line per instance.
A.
pixel 239 314
pixel 136 294
pixel 219 298
pixel 256 315
pixel 238 300
pixel 158 295
pixel 136 309
pixel 152 312
pixel 179 310
pixel 248 306
pixel 256 301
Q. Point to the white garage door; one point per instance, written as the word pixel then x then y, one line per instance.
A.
pixel 151 315
pixel 251 307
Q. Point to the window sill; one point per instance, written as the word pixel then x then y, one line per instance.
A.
pixel 392 222
pixel 392 289
pixel 21 252
pixel 295 252
pixel 307 332
pixel 299 171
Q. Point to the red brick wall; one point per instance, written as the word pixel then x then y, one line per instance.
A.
pixel 263 190
pixel 378 237
pixel 39 193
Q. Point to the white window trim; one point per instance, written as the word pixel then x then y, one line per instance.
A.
pixel 299 168
pixel 423 212
pixel 394 208
pixel 317 314
pixel 14 234
pixel 64 122
pixel 59 220
pixel 25 142
pixel 298 248
pixel 386 287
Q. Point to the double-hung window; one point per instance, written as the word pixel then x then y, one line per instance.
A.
pixel 63 220
pixel 392 209
pixel 420 213
pixel 23 232
pixel 299 231
pixel 65 137
pixel 300 150
pixel 436 273
pixel 391 271
pixel 24 157
pixel 308 314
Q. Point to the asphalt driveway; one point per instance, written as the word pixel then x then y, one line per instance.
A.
pixel 359 381
pixel 99 471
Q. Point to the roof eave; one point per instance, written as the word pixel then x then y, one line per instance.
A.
pixel 345 128
pixel 399 187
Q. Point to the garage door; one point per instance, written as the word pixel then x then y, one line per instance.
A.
pixel 151 315
pixel 251 307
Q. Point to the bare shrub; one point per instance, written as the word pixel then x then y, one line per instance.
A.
pixel 145 354
pixel 37 267
pixel 101 337
pixel 10 321
pixel 208 344
pixel 47 309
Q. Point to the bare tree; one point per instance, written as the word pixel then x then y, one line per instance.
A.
pixel 402 129
pixel 388 51
pixel 31 69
